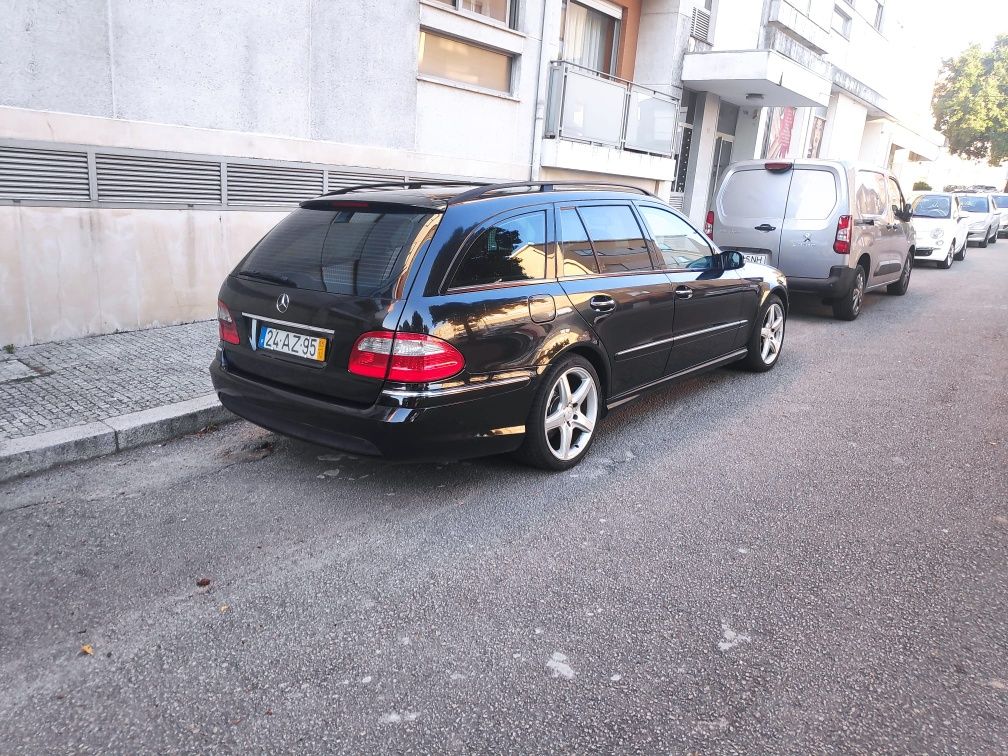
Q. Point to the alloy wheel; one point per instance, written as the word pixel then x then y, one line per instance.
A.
pixel 772 334
pixel 571 413
pixel 858 293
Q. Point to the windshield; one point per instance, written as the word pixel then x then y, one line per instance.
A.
pixel 1001 200
pixel 973 204
pixel 930 206
pixel 346 251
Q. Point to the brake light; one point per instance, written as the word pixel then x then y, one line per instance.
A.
pixel 708 226
pixel 778 167
pixel 404 357
pixel 841 244
pixel 226 325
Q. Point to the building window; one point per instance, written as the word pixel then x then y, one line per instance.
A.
pixel 841 22
pixel 505 11
pixel 591 36
pixel 448 58
pixel 879 12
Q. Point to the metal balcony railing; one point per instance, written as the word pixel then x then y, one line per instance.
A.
pixel 587 106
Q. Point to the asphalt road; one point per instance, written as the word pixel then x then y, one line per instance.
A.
pixel 810 560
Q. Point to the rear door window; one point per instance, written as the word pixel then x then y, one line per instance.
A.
pixel 813 195
pixel 509 250
pixel 617 238
pixel 346 251
pixel 578 256
pixel 755 194
pixel 679 244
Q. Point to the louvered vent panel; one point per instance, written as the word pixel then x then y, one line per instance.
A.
pixel 701 25
pixel 676 201
pixel 343 179
pixel 130 178
pixel 43 174
pixel 271 185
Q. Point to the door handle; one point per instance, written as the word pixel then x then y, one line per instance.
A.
pixel 684 292
pixel 602 303
pixel 765 227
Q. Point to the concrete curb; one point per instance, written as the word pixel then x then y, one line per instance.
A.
pixel 32 454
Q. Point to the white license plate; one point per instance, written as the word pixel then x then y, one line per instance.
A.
pixel 308 347
pixel 761 259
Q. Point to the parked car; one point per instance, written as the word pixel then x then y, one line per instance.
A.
pixel 835 229
pixel 437 321
pixel 940 229
pixel 1001 203
pixel 983 216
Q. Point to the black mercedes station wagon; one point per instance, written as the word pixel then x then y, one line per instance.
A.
pixel 443 321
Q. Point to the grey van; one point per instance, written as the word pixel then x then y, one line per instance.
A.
pixel 834 228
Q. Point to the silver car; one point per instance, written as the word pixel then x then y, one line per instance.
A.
pixel 984 218
pixel 1001 203
pixel 836 229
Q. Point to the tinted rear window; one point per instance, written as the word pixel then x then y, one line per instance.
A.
pixel 510 250
pixel 618 241
pixel 1001 200
pixel 345 251
pixel 755 194
pixel 974 204
pixel 813 195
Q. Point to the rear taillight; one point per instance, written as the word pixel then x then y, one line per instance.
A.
pixel 708 226
pixel 228 328
pixel 404 357
pixel 841 245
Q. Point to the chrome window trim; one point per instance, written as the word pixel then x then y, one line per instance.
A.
pixel 681 336
pixel 328 331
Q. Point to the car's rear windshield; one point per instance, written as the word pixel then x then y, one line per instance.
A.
pixel 972 204
pixel 342 251
pixel 1001 200
pixel 930 206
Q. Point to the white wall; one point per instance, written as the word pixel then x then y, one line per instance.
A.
pixel 845 123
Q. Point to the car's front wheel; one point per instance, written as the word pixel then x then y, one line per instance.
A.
pixel 561 425
pixel 983 243
pixel 947 262
pixel 961 254
pixel 767 337
pixel 994 235
pixel 899 288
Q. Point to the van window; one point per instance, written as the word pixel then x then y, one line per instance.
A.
pixel 346 251
pixel 813 195
pixel 896 200
pixel 678 242
pixel 870 194
pixel 755 194
pixel 578 257
pixel 510 250
pixel 618 241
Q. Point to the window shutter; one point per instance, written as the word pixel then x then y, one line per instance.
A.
pixel 27 173
pixel 700 28
pixel 132 178
pixel 271 185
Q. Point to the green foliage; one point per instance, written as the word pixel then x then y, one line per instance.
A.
pixel 970 102
pixel 9 348
pixel 922 186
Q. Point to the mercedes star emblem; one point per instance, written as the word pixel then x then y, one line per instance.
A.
pixel 283 302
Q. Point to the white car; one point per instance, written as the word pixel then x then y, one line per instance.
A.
pixel 1001 203
pixel 941 229
pixel 984 218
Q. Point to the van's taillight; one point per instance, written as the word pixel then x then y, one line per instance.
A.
pixel 778 167
pixel 226 325
pixel 404 357
pixel 708 226
pixel 841 245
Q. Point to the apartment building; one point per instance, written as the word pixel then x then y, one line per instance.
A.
pixel 144 146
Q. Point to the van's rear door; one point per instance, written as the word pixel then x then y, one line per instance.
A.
pixel 810 223
pixel 749 210
pixel 326 274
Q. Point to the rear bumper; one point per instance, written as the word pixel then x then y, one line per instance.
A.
pixel 838 284
pixel 402 425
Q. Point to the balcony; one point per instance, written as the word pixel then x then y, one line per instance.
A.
pixel 592 108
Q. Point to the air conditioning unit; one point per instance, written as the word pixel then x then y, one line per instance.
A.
pixel 700 27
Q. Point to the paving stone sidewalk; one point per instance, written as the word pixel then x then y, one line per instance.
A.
pixel 66 383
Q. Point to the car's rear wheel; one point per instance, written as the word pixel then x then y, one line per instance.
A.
pixel 561 425
pixel 947 262
pixel 767 337
pixel 961 254
pixel 899 288
pixel 849 306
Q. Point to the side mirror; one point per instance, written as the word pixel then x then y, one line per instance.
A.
pixel 733 260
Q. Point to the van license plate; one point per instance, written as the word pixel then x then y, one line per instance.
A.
pixel 308 347
pixel 761 259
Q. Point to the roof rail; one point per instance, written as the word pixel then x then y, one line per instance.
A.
pixel 402 184
pixel 542 186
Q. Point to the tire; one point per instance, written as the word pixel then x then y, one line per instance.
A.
pixel 947 262
pixel 848 307
pixel 574 422
pixel 899 287
pixel 983 244
pixel 994 236
pixel 767 338
pixel 961 254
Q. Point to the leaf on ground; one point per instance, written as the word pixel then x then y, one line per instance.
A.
pixel 203 582
pixel 224 608
pixel 87 650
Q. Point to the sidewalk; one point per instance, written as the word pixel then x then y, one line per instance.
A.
pixel 71 400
